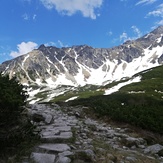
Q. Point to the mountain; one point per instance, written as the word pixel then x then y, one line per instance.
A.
pixel 82 65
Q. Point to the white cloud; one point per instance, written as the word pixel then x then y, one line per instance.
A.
pixel 160 22
pixel 23 48
pixel 157 13
pixel 34 17
pixel 57 44
pixel 136 31
pixel 50 44
pixel 61 44
pixel 123 37
pixel 25 16
pixel 136 34
pixel 145 2
pixel 109 33
pixel 70 7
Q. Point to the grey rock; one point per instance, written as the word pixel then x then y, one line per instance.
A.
pixel 55 147
pixel 153 149
pixel 63 159
pixel 132 159
pixel 131 141
pixel 66 153
pixel 48 118
pixel 59 138
pixel 63 128
pixel 90 154
pixel 43 158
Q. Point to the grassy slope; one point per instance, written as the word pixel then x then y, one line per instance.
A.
pixel 83 92
pixel 144 110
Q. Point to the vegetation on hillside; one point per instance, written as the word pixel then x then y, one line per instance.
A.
pixel 140 104
pixel 14 124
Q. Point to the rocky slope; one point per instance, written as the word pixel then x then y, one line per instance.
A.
pixel 80 65
pixel 69 134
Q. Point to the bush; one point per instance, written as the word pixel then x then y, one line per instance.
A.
pixel 14 126
pixel 136 109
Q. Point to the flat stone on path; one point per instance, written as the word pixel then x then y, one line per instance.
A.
pixel 63 128
pixel 62 137
pixel 63 160
pixel 55 147
pixel 43 158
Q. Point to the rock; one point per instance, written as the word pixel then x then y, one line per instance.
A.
pixel 43 158
pixel 63 128
pixel 130 141
pixel 89 155
pixel 66 153
pixel 77 114
pixel 153 149
pixel 63 159
pixel 68 135
pixel 131 159
pixel 54 147
pixel 64 136
pixel 48 118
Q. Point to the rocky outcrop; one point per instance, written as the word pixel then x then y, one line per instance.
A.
pixel 73 137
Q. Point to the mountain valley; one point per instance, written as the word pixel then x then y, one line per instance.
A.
pixel 50 71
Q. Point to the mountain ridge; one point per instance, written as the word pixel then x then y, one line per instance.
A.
pixel 81 65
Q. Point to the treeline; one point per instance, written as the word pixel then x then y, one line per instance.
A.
pixel 137 109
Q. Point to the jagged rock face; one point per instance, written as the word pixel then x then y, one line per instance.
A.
pixel 80 65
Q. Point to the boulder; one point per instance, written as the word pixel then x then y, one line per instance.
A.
pixel 153 149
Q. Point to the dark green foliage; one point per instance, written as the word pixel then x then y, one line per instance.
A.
pixel 12 98
pixel 139 110
pixel 15 127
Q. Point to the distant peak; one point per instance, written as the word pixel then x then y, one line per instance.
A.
pixel 42 46
pixel 158 30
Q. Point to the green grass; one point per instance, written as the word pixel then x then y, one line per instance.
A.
pixel 144 109
pixel 84 92
pixel 151 83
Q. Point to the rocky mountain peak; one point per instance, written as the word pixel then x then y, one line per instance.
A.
pixel 158 30
pixel 83 64
pixel 42 46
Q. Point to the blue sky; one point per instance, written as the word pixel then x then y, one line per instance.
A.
pixel 26 24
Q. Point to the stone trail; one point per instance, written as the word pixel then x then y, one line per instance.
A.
pixel 67 135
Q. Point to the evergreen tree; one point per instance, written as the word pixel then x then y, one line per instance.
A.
pixel 12 98
pixel 14 126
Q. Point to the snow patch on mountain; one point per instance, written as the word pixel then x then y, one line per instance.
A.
pixel 26 57
pixel 120 85
pixel 72 98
